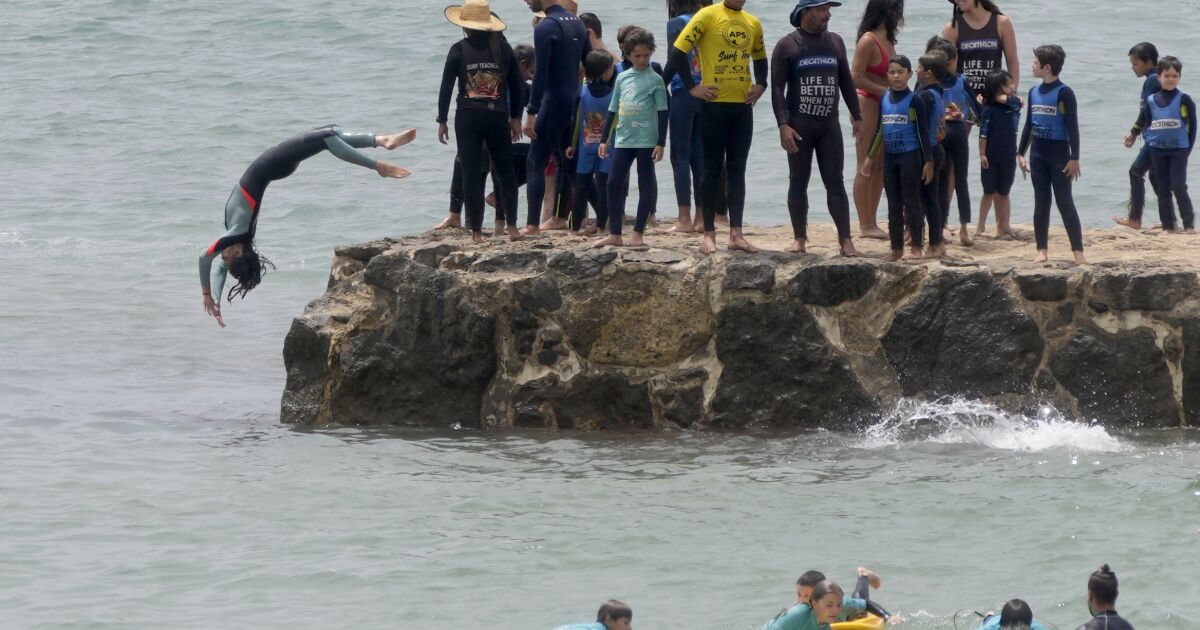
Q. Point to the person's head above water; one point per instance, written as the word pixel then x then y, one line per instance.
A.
pixel 1102 590
pixel 804 585
pixel 827 598
pixel 246 265
pixel 1016 615
pixel 615 615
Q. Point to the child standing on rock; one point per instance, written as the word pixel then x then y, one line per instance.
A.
pixel 998 150
pixel 594 101
pixel 1168 124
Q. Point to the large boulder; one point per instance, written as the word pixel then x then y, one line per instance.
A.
pixel 1121 378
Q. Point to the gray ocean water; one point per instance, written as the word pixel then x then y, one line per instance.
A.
pixel 145 481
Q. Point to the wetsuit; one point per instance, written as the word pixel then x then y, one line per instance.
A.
pixel 637 114
pixel 520 154
pixel 1142 164
pixel 903 133
pixel 687 152
pixel 979 50
pixel 809 71
pixel 998 125
pixel 1169 123
pixel 931 194
pixel 1052 128
pixel 561 44
pixel 278 162
pixel 489 96
pixel 590 171
pixel 961 108
pixel 730 47
pixel 1106 620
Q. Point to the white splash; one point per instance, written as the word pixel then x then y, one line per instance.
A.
pixel 956 421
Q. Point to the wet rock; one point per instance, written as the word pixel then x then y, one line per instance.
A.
pixel 1190 366
pixel 749 276
pixel 1159 291
pixel 1040 286
pixel 779 371
pixel 680 397
pixel 597 399
pixel 833 284
pixel 963 336
pixel 1117 378
pixel 305 359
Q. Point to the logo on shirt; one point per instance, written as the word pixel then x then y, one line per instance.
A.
pixel 895 119
pixel 1044 110
pixel 979 44
pixel 736 34
pixel 593 128
pixel 815 62
pixel 1166 124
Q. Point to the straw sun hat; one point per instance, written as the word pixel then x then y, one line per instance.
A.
pixel 475 15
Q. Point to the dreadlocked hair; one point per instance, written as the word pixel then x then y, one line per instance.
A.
pixel 248 269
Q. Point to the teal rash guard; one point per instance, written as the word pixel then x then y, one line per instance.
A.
pixel 278 162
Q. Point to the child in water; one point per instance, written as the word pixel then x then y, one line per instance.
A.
pixel 998 150
pixel 932 70
pixel 1016 615
pixel 590 170
pixel 639 109
pixel 1168 124
pixel 613 615
pixel 908 160
pixel 1052 128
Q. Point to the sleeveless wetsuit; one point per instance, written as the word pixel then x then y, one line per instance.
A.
pixel 1142 163
pixel 591 173
pixel 810 76
pixel 904 136
pixel 879 70
pixel 278 162
pixel 1169 121
pixel 1052 129
pixel 961 108
pixel 979 50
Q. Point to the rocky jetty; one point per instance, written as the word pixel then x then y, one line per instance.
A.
pixel 433 330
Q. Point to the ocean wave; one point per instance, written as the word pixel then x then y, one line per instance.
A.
pixel 958 421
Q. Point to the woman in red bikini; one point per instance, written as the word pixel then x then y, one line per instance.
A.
pixel 881 22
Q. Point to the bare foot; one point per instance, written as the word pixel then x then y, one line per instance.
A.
pixel 980 230
pixel 499 229
pixel 1190 231
pixel 722 219
pixel 872 577
pixel 934 252
pixel 1042 256
pixel 652 221
pixel 798 246
pixel 530 230
pixel 698 225
pixel 708 245
pixel 914 253
pixel 391 170
pixel 964 238
pixel 849 250
pixel 476 237
pixel 738 242
pixel 451 221
pixel 682 227
pixel 1079 259
pixel 872 231
pixel 514 235
pixel 611 239
pixel 590 230
pixel 553 223
pixel 396 140
pixel 895 256
pixel 907 236
pixel 636 240
pixel 1129 223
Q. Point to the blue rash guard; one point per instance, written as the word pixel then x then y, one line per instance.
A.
pixel 992 622
pixel 278 162
pixel 583 626
pixel 1063 119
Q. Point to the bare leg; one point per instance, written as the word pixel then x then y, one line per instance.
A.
pixel 963 237
pixel 499 229
pixel 452 220
pixel 985 206
pixel 683 225
pixel 1079 259
pixel 1004 216
pixel 868 190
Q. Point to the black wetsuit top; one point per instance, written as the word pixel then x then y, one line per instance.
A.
pixel 484 82
pixel 282 160
pixel 979 51
pixel 1107 620
pixel 561 44
pixel 808 72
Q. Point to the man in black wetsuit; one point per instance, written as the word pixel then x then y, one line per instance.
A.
pixel 561 44
pixel 808 70
pixel 1102 602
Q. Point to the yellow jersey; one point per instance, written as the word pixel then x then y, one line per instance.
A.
pixel 728 43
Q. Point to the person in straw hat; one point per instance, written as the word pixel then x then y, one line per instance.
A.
pixel 488 113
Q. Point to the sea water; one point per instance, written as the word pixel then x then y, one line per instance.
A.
pixel 145 480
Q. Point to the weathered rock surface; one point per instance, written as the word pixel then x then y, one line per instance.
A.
pixel 432 330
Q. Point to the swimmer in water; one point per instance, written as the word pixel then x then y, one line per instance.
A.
pixel 1016 615
pixel 853 606
pixel 824 608
pixel 613 615
pixel 1102 602
pixel 234 252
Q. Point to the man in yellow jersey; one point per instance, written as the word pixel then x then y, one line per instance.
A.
pixel 730 44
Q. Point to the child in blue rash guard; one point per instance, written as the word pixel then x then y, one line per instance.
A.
pixel 639 109
pixel 962 107
pixel 908 160
pixel 931 69
pixel 1052 128
pixel 594 100
pixel 234 253
pixel 1016 615
pixel 854 605
pixel 824 609
pixel 1168 125
pixel 613 615
pixel 1143 60
pixel 998 150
